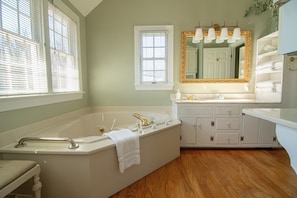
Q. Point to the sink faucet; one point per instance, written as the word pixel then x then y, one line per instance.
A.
pixel 218 96
pixel 144 121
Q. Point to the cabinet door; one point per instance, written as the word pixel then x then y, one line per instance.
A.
pixel 250 129
pixel 205 135
pixel 267 133
pixel 188 131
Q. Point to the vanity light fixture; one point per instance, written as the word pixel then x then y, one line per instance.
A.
pixel 215 29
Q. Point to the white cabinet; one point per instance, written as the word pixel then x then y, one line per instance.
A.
pixel 227 125
pixel 258 132
pixel 197 124
pixel 288 28
pixel 210 125
pixel 188 131
pixel 204 129
pixel 224 126
pixel 269 69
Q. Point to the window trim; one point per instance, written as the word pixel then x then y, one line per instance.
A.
pixel 137 39
pixel 15 102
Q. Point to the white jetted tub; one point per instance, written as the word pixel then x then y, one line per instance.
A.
pixel 90 167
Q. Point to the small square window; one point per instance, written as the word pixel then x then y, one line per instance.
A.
pixel 153 57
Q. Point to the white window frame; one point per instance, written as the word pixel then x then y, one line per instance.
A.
pixel 138 30
pixel 8 103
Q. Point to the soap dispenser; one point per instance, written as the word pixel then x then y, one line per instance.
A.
pixel 178 95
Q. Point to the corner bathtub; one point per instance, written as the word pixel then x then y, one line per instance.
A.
pixel 92 169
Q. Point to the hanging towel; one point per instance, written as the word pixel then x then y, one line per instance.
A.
pixel 127 146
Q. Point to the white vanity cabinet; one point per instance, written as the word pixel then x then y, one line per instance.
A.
pixel 210 125
pixel 258 132
pixel 227 125
pixel 223 125
pixel 197 125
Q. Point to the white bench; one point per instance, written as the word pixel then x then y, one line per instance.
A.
pixel 13 173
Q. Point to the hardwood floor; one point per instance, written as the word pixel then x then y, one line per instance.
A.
pixel 219 173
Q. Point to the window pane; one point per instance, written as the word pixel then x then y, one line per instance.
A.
pixel 22 66
pixel 160 40
pixel 9 19
pixel 147 40
pixel 25 7
pixel 65 73
pixel 148 65
pixel 160 53
pixel 148 52
pixel 160 64
pixel 160 76
pixel 148 76
pixel 25 26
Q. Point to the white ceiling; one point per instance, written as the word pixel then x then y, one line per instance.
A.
pixel 85 6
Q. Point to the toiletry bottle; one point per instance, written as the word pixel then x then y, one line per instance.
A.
pixel 178 95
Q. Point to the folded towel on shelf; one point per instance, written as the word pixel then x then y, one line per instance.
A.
pixel 265 84
pixel 127 146
pixel 278 65
pixel 265 89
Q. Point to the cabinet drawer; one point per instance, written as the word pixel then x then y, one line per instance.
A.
pixel 196 111
pixel 227 138
pixel 228 111
pixel 228 123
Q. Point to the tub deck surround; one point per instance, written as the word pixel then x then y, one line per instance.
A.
pixel 286 127
pixel 92 169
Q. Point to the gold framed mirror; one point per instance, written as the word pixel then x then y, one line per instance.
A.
pixel 205 62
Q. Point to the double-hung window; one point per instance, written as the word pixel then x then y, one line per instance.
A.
pixel 39 53
pixel 153 57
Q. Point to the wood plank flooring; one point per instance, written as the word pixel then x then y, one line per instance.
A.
pixel 249 173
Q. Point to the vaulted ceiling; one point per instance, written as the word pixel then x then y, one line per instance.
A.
pixel 85 6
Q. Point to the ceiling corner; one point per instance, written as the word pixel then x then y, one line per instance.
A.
pixel 85 6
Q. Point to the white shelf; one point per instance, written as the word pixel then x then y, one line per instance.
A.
pixel 269 69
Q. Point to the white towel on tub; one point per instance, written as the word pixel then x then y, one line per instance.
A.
pixel 127 146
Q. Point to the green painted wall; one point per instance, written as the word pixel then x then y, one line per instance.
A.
pixel 110 43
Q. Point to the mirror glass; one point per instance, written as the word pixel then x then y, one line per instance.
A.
pixel 215 61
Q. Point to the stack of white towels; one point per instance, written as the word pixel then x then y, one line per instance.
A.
pixel 269 67
pixel 127 146
pixel 268 86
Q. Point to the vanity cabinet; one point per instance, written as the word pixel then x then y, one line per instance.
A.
pixel 197 125
pixel 223 126
pixel 269 69
pixel 209 125
pixel 257 131
pixel 227 125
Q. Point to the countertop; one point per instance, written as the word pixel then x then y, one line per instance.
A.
pixel 281 116
pixel 226 100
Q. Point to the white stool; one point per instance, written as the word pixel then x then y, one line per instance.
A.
pixel 13 173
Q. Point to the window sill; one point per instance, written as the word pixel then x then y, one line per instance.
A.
pixel 154 87
pixel 14 103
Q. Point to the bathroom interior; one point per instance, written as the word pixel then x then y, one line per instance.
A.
pixel 108 83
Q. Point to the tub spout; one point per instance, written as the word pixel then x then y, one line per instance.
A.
pixel 144 121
